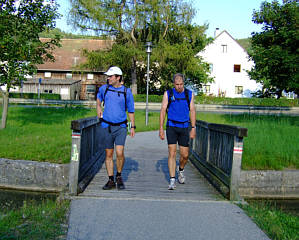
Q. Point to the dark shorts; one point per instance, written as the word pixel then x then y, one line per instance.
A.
pixel 117 136
pixel 178 135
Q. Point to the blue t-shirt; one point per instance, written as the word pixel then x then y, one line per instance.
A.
pixel 179 109
pixel 115 110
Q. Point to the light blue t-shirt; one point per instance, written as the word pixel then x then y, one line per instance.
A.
pixel 179 109
pixel 115 109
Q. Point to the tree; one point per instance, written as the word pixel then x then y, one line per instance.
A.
pixel 21 21
pixel 165 23
pixel 275 49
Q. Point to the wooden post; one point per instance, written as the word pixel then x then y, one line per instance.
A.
pixel 74 165
pixel 236 169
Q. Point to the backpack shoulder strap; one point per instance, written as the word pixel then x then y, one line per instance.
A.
pixel 106 90
pixel 170 95
pixel 125 95
pixel 187 97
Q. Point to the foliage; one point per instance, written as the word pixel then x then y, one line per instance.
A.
pixel 34 220
pixel 245 43
pixel 51 96
pixel 275 49
pixel 20 46
pixel 56 31
pixel 278 224
pixel 167 24
pixel 202 99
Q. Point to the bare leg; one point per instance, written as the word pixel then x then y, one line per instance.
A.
pixel 171 159
pixel 120 158
pixel 109 161
pixel 184 154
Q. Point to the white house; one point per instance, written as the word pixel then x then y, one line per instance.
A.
pixel 228 64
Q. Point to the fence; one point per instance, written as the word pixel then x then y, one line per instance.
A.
pixel 88 153
pixel 217 153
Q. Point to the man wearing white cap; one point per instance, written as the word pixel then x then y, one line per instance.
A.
pixel 117 99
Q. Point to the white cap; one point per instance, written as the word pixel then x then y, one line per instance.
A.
pixel 114 71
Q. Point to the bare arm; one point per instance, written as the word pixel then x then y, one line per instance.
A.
pixel 99 109
pixel 132 119
pixel 192 117
pixel 162 115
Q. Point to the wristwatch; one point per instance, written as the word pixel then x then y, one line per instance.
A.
pixel 133 127
pixel 193 127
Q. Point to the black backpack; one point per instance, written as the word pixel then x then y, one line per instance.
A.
pixel 118 92
pixel 171 97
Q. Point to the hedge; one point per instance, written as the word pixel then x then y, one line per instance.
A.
pixel 282 102
pixel 50 96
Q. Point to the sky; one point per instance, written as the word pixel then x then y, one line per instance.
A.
pixel 234 16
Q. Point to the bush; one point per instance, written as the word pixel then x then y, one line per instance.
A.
pixel 282 102
pixel 50 96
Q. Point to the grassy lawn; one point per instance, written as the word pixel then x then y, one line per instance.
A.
pixel 277 224
pixel 44 134
pixel 35 220
pixel 272 141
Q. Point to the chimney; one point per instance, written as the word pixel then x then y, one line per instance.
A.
pixel 217 31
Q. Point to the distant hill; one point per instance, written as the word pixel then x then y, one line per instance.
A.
pixel 245 43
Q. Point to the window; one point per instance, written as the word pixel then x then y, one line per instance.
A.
pixel 47 74
pixel 50 91
pixel 206 88
pixel 237 68
pixel 238 89
pixel 90 88
pixel 224 48
pixel 68 75
pixel 46 91
pixel 90 76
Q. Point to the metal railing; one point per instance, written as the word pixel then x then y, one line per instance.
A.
pixel 217 153
pixel 88 153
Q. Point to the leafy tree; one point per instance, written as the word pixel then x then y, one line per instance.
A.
pixel 20 47
pixel 275 49
pixel 167 24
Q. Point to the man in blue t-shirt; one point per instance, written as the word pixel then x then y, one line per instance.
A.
pixel 179 102
pixel 117 100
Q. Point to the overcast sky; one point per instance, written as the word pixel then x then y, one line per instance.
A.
pixel 235 16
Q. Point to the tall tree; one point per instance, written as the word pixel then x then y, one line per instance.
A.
pixel 165 23
pixel 21 21
pixel 20 47
pixel 275 49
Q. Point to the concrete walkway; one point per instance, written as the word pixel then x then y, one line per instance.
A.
pixel 147 210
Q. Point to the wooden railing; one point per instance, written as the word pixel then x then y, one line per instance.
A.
pixel 88 153
pixel 217 153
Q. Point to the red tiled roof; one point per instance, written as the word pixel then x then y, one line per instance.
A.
pixel 69 54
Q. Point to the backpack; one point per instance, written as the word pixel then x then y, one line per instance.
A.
pixel 118 92
pixel 171 97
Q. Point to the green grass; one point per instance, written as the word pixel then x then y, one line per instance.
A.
pixel 277 224
pixel 44 134
pixel 272 141
pixel 35 220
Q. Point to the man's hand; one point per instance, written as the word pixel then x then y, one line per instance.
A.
pixel 192 133
pixel 132 132
pixel 161 134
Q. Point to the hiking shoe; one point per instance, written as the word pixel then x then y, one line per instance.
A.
pixel 181 176
pixel 120 183
pixel 172 185
pixel 109 185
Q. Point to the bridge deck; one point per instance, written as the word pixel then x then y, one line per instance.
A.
pixel 145 175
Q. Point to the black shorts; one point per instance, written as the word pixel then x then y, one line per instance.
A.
pixel 178 135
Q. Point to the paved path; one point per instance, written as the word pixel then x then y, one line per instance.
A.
pixel 146 209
